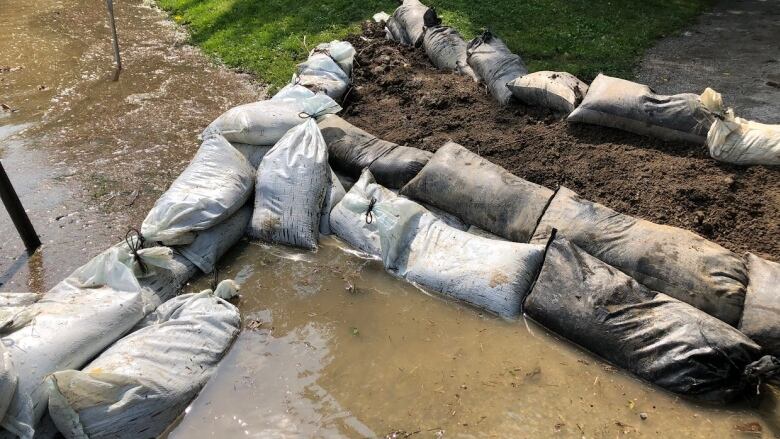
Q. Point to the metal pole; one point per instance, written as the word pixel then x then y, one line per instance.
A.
pixel 17 213
pixel 112 23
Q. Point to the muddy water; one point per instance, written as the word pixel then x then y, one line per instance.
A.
pixel 87 154
pixel 335 347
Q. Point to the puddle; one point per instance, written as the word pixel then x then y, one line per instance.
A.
pixel 333 346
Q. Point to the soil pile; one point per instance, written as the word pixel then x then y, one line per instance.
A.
pixel 399 96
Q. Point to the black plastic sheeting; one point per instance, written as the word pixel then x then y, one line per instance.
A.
pixel 351 150
pixel 480 193
pixel 495 65
pixel 660 339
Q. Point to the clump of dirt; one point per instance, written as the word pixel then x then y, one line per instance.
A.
pixel 399 96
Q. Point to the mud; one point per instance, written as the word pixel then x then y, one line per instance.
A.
pixel 89 155
pixel 333 346
pixel 399 97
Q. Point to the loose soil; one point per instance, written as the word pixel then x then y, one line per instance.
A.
pixel 399 96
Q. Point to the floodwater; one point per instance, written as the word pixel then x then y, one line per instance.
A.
pixel 88 155
pixel 333 346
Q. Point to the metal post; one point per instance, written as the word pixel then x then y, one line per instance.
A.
pixel 112 23
pixel 17 213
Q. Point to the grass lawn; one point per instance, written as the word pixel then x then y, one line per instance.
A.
pixel 584 37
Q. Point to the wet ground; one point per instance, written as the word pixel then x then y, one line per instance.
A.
pixel 89 155
pixel 335 347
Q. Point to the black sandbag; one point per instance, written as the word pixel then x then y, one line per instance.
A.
pixel 761 317
pixel 407 24
pixel 667 259
pixel 351 150
pixel 479 192
pixel 447 50
pixel 495 65
pixel 660 339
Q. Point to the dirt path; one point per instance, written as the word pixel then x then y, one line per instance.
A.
pixel 87 155
pixel 734 48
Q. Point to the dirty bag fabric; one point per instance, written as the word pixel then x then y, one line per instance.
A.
pixel 408 22
pixel 334 194
pixel 14 310
pixel 328 69
pixel 265 122
pixel 216 183
pixel 495 65
pixel 489 274
pixel 138 386
pixel 559 91
pixel 8 379
pixel 351 150
pixel 447 50
pixel 211 244
pixel 761 317
pixel 667 259
pixel 292 91
pixel 253 153
pixel 291 184
pixel 744 142
pixel 166 281
pixel 479 193
pixel 628 106
pixel 660 339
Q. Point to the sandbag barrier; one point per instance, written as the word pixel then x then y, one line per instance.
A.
pixel 610 102
pixel 123 304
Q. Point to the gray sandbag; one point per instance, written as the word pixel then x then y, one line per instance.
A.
pixel 559 91
pixel 253 153
pixel 628 106
pixel 658 338
pixel 761 316
pixel 667 259
pixel 495 65
pixel 13 307
pixel 479 192
pixel 210 245
pixel 142 383
pixel 167 280
pixel 447 50
pixel 328 69
pixel 489 274
pixel 351 150
pixel 334 194
pixel 408 22
pixel 291 184
pixel 215 184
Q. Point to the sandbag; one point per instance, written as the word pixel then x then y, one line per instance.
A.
pixel 215 184
pixel 72 323
pixel 351 150
pixel 292 91
pixel 488 274
pixel 253 153
pixel 291 184
pixel 495 65
pixel 13 307
pixel 479 192
pixel 334 194
pixel 667 259
pixel 328 69
pixel 628 106
pixel 447 50
pixel 265 122
pixel 408 22
pixel 166 281
pixel 210 245
pixel 761 316
pixel 660 339
pixel 8 379
pixel 744 142
pixel 138 386
pixel 559 91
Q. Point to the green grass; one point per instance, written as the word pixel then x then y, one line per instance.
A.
pixel 584 37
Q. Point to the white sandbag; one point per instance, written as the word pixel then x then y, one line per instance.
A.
pixel 628 106
pixel 12 310
pixel 290 190
pixel 744 142
pixel 166 281
pixel 265 122
pixel 495 65
pixel 293 91
pixel 558 91
pixel 210 245
pixel 489 274
pixel 408 22
pixel 8 380
pixel 328 69
pixel 216 183
pixel 380 17
pixel 138 386
pixel 253 153
pixel 333 195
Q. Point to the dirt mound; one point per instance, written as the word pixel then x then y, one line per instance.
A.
pixel 399 96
